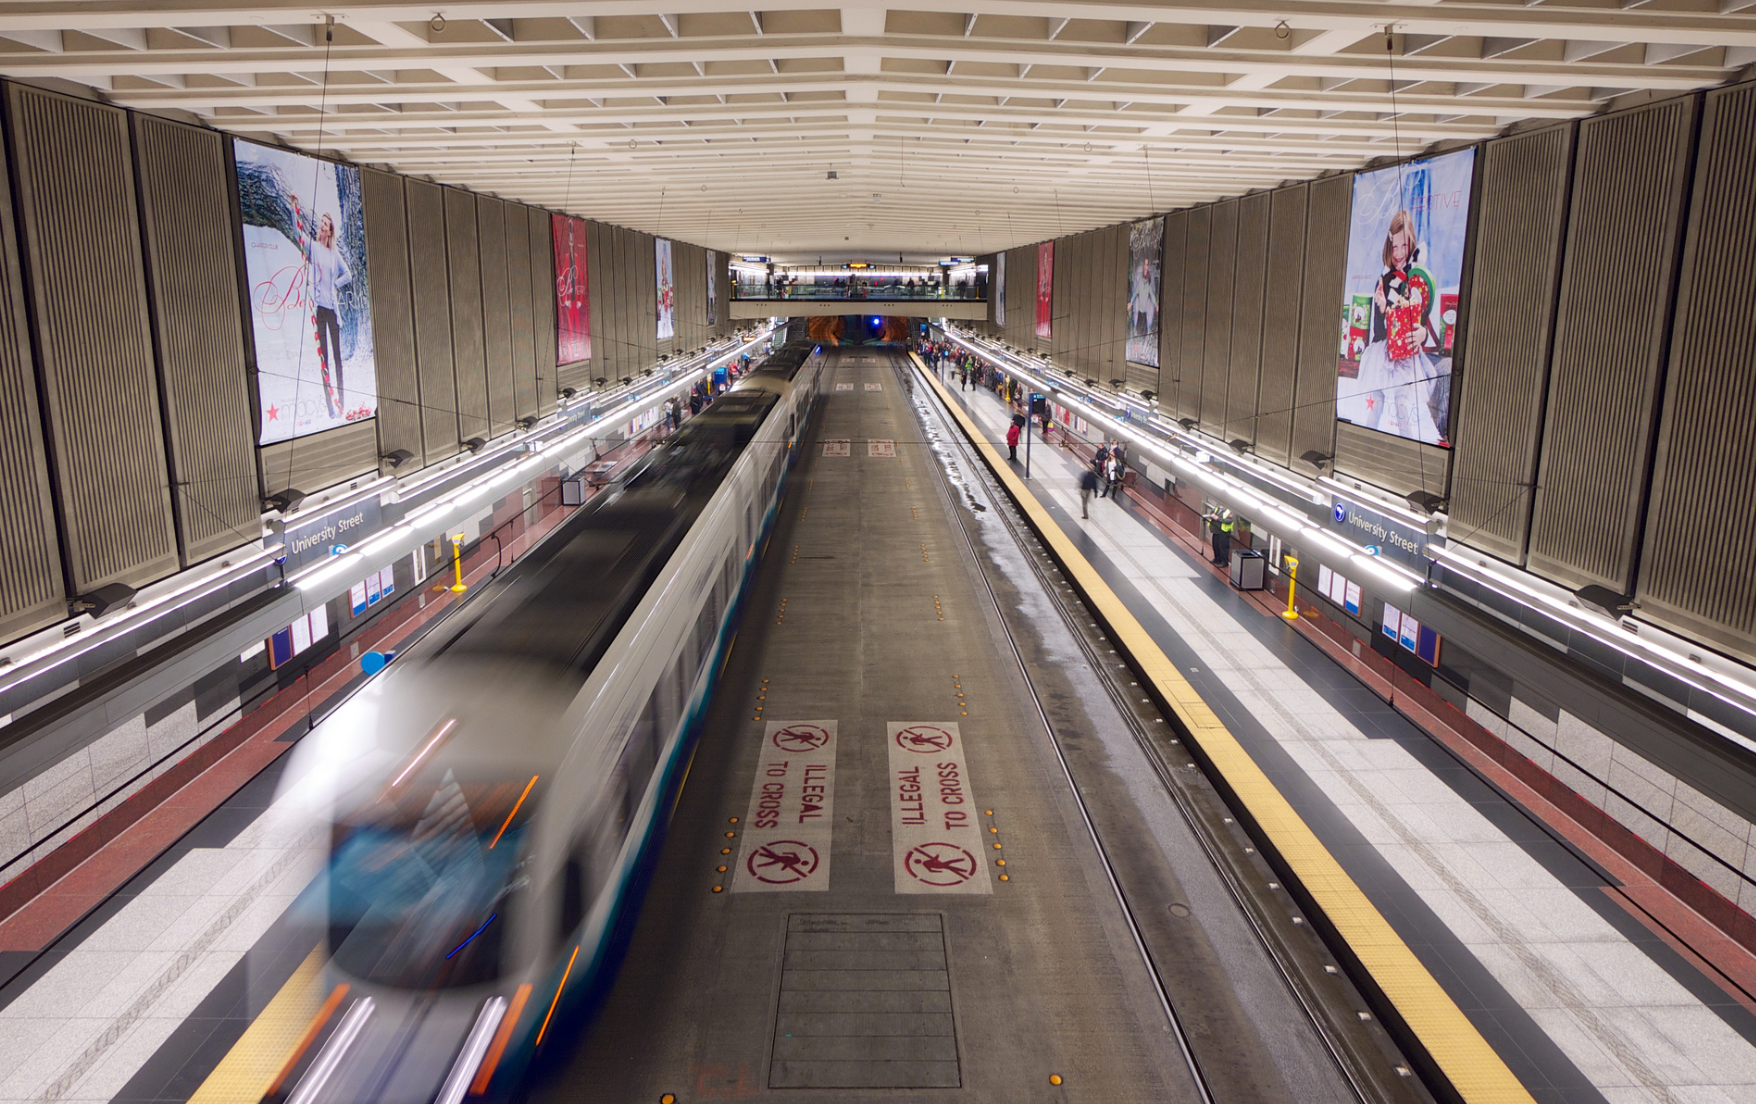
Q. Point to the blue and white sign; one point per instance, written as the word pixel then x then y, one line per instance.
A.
pixel 1382 535
pixel 319 537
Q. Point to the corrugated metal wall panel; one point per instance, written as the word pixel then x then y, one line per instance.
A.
pixel 74 180
pixel 432 313
pixel 645 251
pixel 1064 304
pixel 1617 282
pixel 1187 401
pixel 518 294
pixel 1113 282
pixel 1170 336
pixel 322 459
pixel 464 249
pixel 603 321
pixel 542 307
pixel 1320 316
pixel 1520 220
pixel 1285 274
pixel 1707 443
pixel 1389 461
pixel 1249 284
pixel 32 590
pixel 633 326
pixel 496 317
pixel 393 317
pixel 1021 275
pixel 199 334
pixel 1216 356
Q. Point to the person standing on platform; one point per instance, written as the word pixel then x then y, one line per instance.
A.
pixel 1012 441
pixel 1099 462
pixel 1088 485
pixel 1118 467
pixel 1219 524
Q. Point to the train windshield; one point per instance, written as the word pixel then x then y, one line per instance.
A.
pixel 423 885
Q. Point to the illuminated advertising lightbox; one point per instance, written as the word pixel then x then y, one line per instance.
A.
pixel 1045 285
pixel 999 289
pixel 667 295
pixel 572 291
pixel 1406 239
pixel 713 287
pixel 304 233
pixel 1146 240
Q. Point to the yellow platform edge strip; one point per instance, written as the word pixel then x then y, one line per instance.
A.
pixel 1474 1069
pixel 254 1061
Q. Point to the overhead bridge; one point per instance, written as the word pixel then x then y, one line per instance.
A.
pixel 965 309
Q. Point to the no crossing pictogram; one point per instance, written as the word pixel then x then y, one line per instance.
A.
pixel 803 737
pixel 940 864
pixel 783 862
pixel 924 739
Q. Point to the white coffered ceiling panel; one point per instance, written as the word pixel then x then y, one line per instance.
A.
pixel 959 131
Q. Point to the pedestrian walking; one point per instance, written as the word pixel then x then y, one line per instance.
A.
pixel 1088 485
pixel 1012 441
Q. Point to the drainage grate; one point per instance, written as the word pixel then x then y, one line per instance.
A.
pixel 865 1003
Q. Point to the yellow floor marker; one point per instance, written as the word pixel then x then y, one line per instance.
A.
pixel 1477 1072
pixel 252 1064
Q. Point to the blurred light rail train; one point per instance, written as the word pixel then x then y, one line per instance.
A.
pixel 497 797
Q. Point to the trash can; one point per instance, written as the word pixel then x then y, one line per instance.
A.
pixel 1248 569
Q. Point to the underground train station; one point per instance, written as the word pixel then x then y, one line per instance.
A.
pixel 1051 552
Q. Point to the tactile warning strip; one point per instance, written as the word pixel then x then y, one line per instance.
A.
pixel 865 1003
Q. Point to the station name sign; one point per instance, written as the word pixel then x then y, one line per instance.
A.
pixel 322 536
pixel 1392 539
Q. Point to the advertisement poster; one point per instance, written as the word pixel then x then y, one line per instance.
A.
pixel 1146 243
pixel 1406 237
pixel 572 291
pixel 712 287
pixel 1045 285
pixel 304 231
pixel 667 296
pixel 999 289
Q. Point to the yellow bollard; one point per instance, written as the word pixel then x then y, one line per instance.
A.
pixel 457 563
pixel 1292 563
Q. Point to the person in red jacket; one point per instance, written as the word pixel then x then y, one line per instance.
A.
pixel 1012 441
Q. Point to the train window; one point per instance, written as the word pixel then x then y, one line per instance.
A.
pixel 572 896
pixel 706 627
pixel 672 692
pixel 637 759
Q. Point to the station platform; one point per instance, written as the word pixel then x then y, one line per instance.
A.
pixel 938 839
pixel 1582 974
pixel 878 877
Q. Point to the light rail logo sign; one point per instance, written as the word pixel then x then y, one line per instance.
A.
pixel 882 448
pixel 844 387
pixel 790 823
pixel 837 446
pixel 935 825
pixel 874 387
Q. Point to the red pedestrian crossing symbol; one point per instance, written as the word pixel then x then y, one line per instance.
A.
pixel 924 739
pixel 782 862
pixel 940 864
pixel 800 738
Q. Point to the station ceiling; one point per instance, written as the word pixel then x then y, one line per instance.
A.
pixel 997 124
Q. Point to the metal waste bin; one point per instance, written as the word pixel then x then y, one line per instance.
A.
pixel 1248 569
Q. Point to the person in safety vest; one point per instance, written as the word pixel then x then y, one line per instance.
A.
pixel 1219 524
